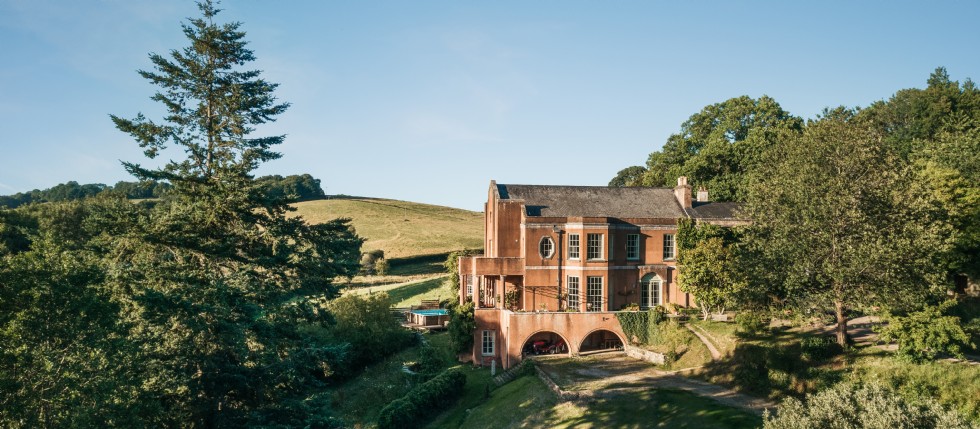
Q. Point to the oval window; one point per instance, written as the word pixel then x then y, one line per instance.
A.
pixel 547 247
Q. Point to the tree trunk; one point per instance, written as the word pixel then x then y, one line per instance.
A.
pixel 841 323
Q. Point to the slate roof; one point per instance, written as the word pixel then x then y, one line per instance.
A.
pixel 594 201
pixel 711 210
pixel 613 202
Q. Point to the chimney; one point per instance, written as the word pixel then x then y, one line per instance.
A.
pixel 702 195
pixel 683 192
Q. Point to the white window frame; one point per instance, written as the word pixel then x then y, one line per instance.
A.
pixel 574 294
pixel 574 246
pixel 651 292
pixel 632 247
pixel 546 240
pixel 593 300
pixel 470 279
pixel 598 246
pixel 488 343
pixel 670 244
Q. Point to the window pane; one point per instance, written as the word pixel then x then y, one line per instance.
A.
pixel 668 246
pixel 487 343
pixel 546 247
pixel 573 293
pixel 574 247
pixel 593 246
pixel 593 295
pixel 633 246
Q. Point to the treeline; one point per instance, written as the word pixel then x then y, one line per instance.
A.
pixel 854 210
pixel 293 188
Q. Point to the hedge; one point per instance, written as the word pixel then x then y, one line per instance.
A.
pixel 421 402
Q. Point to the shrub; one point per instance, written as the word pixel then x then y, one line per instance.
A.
pixel 873 406
pixel 925 334
pixel 751 322
pixel 462 323
pixel 381 267
pixel 818 348
pixel 412 409
pixel 366 323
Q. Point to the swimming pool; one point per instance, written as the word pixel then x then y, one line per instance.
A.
pixel 432 312
pixel 429 317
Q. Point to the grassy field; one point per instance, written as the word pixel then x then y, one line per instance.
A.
pixel 401 228
pixel 411 292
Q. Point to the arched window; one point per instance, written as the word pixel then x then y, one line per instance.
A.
pixel 651 293
pixel 546 247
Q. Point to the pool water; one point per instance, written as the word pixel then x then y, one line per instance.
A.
pixel 433 312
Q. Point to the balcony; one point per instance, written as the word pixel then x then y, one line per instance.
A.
pixel 486 266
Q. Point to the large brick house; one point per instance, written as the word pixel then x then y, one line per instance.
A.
pixel 559 261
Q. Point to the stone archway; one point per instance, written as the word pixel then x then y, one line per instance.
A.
pixel 600 339
pixel 545 342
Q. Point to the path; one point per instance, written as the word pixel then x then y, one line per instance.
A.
pixel 613 374
pixel 715 354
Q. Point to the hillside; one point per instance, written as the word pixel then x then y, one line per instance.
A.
pixel 401 228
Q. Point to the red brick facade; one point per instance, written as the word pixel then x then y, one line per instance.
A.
pixel 560 261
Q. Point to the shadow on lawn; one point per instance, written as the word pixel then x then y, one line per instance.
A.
pixel 402 293
pixel 778 364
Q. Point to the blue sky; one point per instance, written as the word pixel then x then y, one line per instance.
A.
pixel 429 100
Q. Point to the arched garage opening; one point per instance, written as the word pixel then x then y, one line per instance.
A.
pixel 544 342
pixel 601 340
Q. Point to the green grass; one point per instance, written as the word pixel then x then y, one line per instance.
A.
pixel 527 403
pixel 771 364
pixel 478 383
pixel 410 293
pixel 691 352
pixel 721 334
pixel 400 228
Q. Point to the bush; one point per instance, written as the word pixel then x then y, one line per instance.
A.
pixel 366 323
pixel 412 409
pixel 818 348
pixel 874 406
pixel 927 333
pixel 752 322
pixel 641 327
pixel 462 323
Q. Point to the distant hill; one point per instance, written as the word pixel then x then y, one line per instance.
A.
pixel 400 228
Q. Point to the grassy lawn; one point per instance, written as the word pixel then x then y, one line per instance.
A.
pixel 721 334
pixel 478 383
pixel 527 403
pixel 401 228
pixel 691 352
pixel 410 293
pixel 773 364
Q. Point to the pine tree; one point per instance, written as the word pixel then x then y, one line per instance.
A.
pixel 216 278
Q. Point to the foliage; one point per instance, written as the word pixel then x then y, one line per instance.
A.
pixel 452 267
pixel 63 358
pixel 815 348
pixel 718 147
pixel 925 334
pixel 752 321
pixel 73 191
pixel 871 406
pixel 840 218
pixel 365 322
pixel 292 188
pixel 709 266
pixel 417 406
pixel 381 267
pixel 462 324
pixel 946 382
pixel 641 327
pixel 629 176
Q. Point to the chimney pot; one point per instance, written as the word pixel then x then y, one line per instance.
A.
pixel 702 194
